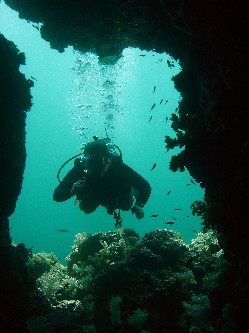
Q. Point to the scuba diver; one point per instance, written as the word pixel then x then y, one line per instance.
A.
pixel 100 178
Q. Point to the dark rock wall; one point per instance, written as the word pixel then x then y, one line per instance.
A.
pixel 107 27
pixel 14 103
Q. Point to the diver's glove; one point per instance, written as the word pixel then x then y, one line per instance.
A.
pixel 78 187
pixel 138 211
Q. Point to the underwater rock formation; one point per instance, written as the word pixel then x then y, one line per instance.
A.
pixel 117 282
pixel 104 27
pixel 14 103
pixel 16 284
pixel 210 40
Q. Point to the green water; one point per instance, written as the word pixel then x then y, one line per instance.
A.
pixel 74 98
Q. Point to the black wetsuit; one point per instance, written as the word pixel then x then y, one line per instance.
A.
pixel 114 189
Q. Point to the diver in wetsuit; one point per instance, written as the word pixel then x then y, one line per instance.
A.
pixel 101 178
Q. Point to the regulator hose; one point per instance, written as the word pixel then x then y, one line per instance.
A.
pixel 120 153
pixel 59 171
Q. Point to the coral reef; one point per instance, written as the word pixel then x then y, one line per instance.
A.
pixel 115 281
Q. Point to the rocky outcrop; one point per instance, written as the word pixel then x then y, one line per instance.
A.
pixel 14 103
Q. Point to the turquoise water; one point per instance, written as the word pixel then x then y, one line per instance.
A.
pixel 74 98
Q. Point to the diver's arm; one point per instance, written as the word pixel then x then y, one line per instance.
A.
pixel 139 183
pixel 63 190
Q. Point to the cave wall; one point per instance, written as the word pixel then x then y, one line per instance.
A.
pixel 14 103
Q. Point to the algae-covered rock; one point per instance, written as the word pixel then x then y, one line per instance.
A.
pixel 207 259
pixel 126 283
pixel 162 247
pixel 42 262
pixel 94 252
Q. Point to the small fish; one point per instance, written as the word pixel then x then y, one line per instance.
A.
pixel 142 55
pixel 36 27
pixel 33 78
pixel 177 209
pixel 153 167
pixel 150 119
pixel 153 106
pixel 169 222
pixel 63 230
pixel 166 119
pixel 154 215
pixel 187 184
pixel 192 181
pixel 187 215
pixel 169 192
pixel 195 231
pixel 174 218
pixel 160 60
pixel 154 89
pixel 166 101
pixel 170 64
pixel 161 101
